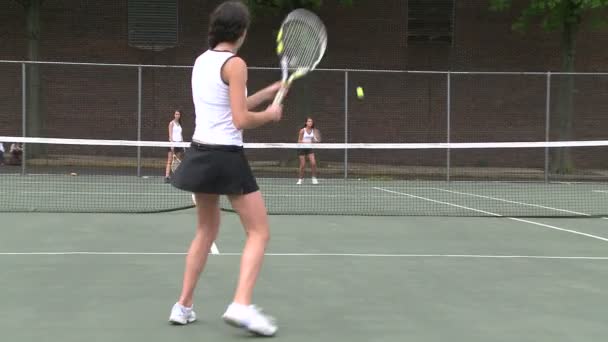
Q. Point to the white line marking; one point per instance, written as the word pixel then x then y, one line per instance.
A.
pixel 214 249
pixel 435 201
pixel 514 202
pixel 103 193
pixel 558 228
pixel 92 193
pixel 92 253
pixel 358 255
pixel 94 183
pixel 602 191
pixel 179 194
pixel 497 215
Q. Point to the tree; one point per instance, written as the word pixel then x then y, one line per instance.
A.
pixel 279 7
pixel 566 17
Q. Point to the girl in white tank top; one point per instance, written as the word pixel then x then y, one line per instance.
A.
pixel 175 135
pixel 216 165
pixel 308 135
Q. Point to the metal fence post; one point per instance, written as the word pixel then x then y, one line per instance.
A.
pixel 139 76
pixel 345 124
pixel 547 125
pixel 23 114
pixel 448 125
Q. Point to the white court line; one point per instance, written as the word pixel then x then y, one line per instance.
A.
pixel 93 183
pixel 102 193
pixel 496 215
pixel 513 202
pixel 182 194
pixel 214 249
pixel 354 255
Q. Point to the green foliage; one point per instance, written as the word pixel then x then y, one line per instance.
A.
pixel 565 16
pixel 280 7
pixel 555 14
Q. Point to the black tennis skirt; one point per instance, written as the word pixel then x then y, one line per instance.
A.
pixel 215 169
pixel 176 149
pixel 304 151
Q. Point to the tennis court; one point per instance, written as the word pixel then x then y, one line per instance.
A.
pixel 443 241
pixel 463 178
pixel 102 276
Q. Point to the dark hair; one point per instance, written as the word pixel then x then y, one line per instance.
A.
pixel 228 22
pixel 313 122
pixel 180 116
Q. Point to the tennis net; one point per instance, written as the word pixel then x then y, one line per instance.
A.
pixel 514 179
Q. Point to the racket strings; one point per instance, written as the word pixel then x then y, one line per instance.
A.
pixel 305 40
pixel 301 45
pixel 304 54
pixel 298 45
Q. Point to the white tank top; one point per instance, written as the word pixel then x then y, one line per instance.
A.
pixel 176 132
pixel 213 124
pixel 308 137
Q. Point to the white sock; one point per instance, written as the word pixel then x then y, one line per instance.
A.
pixel 238 306
pixel 184 307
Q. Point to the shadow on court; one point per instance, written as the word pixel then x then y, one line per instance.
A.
pixel 75 277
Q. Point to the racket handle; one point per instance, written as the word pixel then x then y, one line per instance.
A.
pixel 280 95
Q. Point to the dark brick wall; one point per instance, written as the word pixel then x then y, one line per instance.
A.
pixel 101 102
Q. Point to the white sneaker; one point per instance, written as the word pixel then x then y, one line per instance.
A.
pixel 181 315
pixel 251 319
pixel 299 181
pixel 314 180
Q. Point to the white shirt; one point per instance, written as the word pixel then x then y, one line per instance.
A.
pixel 212 102
pixel 176 132
pixel 308 137
pixel 15 147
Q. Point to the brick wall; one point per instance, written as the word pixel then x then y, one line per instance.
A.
pixel 101 102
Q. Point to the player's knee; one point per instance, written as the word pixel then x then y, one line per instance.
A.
pixel 205 232
pixel 260 233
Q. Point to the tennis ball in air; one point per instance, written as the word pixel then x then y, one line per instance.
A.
pixel 360 93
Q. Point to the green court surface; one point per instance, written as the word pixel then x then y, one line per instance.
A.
pixel 114 277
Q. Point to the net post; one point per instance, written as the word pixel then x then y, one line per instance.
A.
pixel 23 114
pixel 345 124
pixel 547 124
pixel 139 74
pixel 448 125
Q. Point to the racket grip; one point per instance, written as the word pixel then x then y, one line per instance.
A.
pixel 280 95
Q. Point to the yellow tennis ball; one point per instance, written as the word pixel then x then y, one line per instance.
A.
pixel 360 93
pixel 280 35
pixel 280 47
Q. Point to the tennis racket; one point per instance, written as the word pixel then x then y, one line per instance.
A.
pixel 301 44
pixel 175 162
pixel 317 135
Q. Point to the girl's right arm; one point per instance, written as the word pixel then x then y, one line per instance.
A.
pixel 235 74
pixel 301 136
